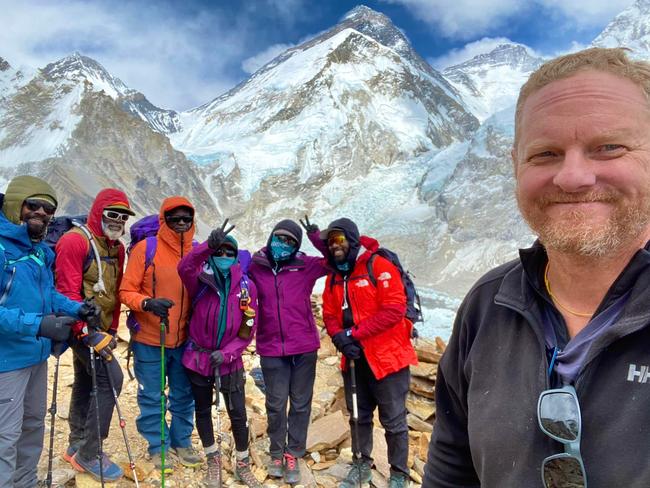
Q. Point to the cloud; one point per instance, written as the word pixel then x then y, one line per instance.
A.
pixel 462 19
pixel 467 52
pixel 252 64
pixel 466 19
pixel 179 55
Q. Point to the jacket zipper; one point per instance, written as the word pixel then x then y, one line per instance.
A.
pixel 277 297
pixel 180 317
pixel 531 320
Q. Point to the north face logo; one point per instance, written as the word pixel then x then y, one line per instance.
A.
pixel 639 375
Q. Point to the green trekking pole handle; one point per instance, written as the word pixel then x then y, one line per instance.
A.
pixel 163 326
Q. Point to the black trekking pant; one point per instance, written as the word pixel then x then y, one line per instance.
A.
pixel 389 395
pixel 288 378
pixel 232 389
pixel 82 416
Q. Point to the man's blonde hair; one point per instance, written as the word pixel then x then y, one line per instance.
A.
pixel 609 60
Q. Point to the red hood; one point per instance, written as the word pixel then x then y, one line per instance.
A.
pixel 105 198
pixel 370 244
pixel 166 233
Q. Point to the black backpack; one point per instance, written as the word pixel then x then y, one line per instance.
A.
pixel 413 305
pixel 62 224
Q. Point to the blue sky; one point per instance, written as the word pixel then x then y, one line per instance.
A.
pixel 181 54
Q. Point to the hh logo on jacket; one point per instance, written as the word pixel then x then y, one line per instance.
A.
pixel 639 375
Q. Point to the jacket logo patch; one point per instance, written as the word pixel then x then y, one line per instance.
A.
pixel 384 276
pixel 640 375
pixel 362 283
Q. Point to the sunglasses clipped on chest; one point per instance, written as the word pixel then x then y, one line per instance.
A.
pixel 113 215
pixel 35 204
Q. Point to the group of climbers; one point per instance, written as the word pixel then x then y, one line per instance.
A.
pixel 194 308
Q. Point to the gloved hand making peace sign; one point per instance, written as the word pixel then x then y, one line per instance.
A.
pixel 218 236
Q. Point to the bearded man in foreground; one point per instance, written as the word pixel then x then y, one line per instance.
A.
pixel 545 380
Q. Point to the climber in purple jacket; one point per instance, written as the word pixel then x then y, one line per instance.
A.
pixel 287 339
pixel 224 309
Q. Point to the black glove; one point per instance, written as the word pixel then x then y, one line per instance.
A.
pixel 89 310
pixel 352 351
pixel 158 306
pixel 102 342
pixel 308 226
pixel 55 327
pixel 216 359
pixel 342 339
pixel 218 236
pixel 58 348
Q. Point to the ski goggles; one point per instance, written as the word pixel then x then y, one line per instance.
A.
pixel 33 204
pixel 558 415
pixel 180 219
pixel 225 251
pixel 336 237
pixel 113 215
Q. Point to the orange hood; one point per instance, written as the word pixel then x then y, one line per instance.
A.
pixel 166 234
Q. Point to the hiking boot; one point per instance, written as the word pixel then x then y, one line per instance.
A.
pixel 359 473
pixel 112 472
pixel 398 480
pixel 156 459
pixel 69 453
pixel 212 477
pixel 243 473
pixel 291 469
pixel 188 456
pixel 274 468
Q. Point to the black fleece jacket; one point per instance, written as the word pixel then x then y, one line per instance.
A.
pixel 495 366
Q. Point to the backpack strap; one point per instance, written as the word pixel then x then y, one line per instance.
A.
pixel 151 244
pixel 244 258
pixel 371 273
pixel 38 257
pixel 98 287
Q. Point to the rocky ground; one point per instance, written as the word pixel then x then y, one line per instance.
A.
pixel 328 443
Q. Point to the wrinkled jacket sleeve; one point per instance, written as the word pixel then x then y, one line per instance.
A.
pixel 131 286
pixel 190 267
pixel 332 316
pixel 449 463
pixel 235 348
pixel 318 243
pixel 71 253
pixel 390 297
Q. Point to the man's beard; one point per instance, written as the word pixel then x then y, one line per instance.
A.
pixel 573 232
pixel 36 231
pixel 112 234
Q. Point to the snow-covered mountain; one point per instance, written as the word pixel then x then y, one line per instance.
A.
pixel 490 82
pixel 630 28
pixel 350 123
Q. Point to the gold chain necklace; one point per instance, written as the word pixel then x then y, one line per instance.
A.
pixel 557 302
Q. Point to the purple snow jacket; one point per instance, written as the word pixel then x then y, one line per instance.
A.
pixel 286 321
pixel 199 282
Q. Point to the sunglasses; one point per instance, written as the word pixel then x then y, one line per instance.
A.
pixel 113 215
pixel 178 219
pixel 338 238
pixel 558 415
pixel 226 251
pixel 34 204
pixel 286 239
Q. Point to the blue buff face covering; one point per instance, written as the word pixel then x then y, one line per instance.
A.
pixel 281 250
pixel 224 263
pixel 343 266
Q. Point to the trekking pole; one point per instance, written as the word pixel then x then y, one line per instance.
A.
pixel 100 452
pixel 123 427
pixel 355 419
pixel 217 402
pixel 50 456
pixel 163 382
